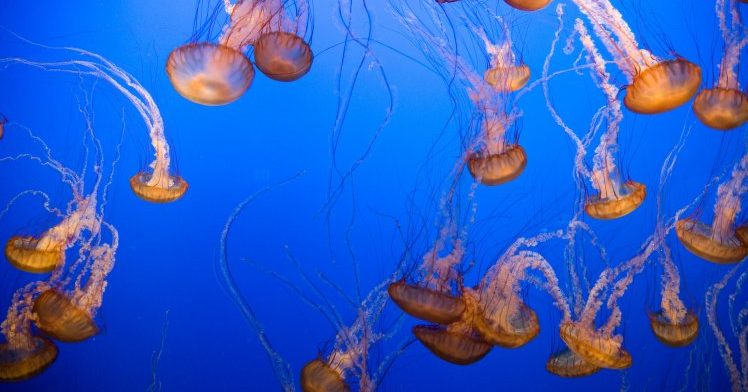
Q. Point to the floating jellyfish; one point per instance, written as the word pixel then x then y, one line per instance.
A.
pixel 673 324
pixel 318 376
pixel 58 317
pixel 719 243
pixel 655 85
pixel 27 359
pixel 528 5
pixel 431 298
pixel 504 73
pixel 157 184
pixel 725 106
pixel 595 347
pixel 566 363
pixel 456 343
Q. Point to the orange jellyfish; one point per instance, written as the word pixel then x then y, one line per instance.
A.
pixel 157 183
pixel 566 363
pixel 431 298
pixel 655 85
pixel 528 5
pixel 725 106
pixel 595 347
pixel 456 343
pixel 718 242
pixel 504 73
pixel 318 376
pixel 58 317
pixel 673 325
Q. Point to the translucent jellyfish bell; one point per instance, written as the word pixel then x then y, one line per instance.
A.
pixel 507 79
pixel 58 317
pixel 146 187
pixel 282 56
pixel 458 347
pixel 32 255
pixel 426 304
pixel 209 74
pixel 698 238
pixel 721 108
pixel 21 363
pixel 515 330
pixel 663 86
pixel 566 363
pixel 631 197
pixel 318 376
pixel 601 351
pixel 497 169
pixel 528 5
pixel 677 334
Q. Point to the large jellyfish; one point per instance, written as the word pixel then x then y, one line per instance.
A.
pixel 718 242
pixel 655 85
pixel 157 184
pixel 219 73
pixel 673 324
pixel 725 106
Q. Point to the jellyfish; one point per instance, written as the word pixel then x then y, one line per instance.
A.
pixel 457 343
pixel 566 363
pixel 157 184
pixel 725 106
pixel 655 85
pixel 504 74
pixel 431 298
pixel 595 347
pixel 718 242
pixel 673 324
pixel 528 5
pixel 318 376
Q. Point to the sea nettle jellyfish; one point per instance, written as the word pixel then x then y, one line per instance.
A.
pixel 673 324
pixel 505 73
pixel 156 184
pixel 528 5
pixel 725 106
pixel 718 242
pixel 655 85
pixel 566 363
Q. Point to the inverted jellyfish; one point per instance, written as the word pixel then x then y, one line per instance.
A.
pixel 493 158
pixel 219 73
pixel 718 242
pixel 725 106
pixel 158 184
pixel 655 85
pixel 673 324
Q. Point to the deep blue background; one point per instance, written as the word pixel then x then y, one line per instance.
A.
pixel 166 260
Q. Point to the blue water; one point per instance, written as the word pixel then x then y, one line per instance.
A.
pixel 165 291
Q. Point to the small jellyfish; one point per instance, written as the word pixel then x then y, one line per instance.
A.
pixel 618 203
pixel 725 106
pixel 282 56
pixel 455 344
pixel 209 74
pixel 655 85
pixel 25 360
pixel 498 168
pixel 158 188
pixel 504 74
pixel 59 317
pixel 566 363
pixel 318 376
pixel 595 347
pixel 425 303
pixel 674 334
pixel 528 5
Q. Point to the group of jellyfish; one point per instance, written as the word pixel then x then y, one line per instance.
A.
pixel 462 323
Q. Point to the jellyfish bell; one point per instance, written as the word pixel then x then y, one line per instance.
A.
pixel 528 5
pixel 209 74
pixel 318 376
pixel 615 206
pixel 455 346
pixel 663 86
pixel 148 188
pixel 508 78
pixel 721 108
pixel 426 304
pixel 699 239
pixel 674 334
pixel 22 362
pixel 512 329
pixel 742 232
pixel 566 363
pixel 282 56
pixel 33 255
pixel 496 169
pixel 60 318
pixel 601 351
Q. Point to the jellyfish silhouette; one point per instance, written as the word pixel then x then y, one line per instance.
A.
pixel 156 184
pixel 655 85
pixel 718 242
pixel 725 106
